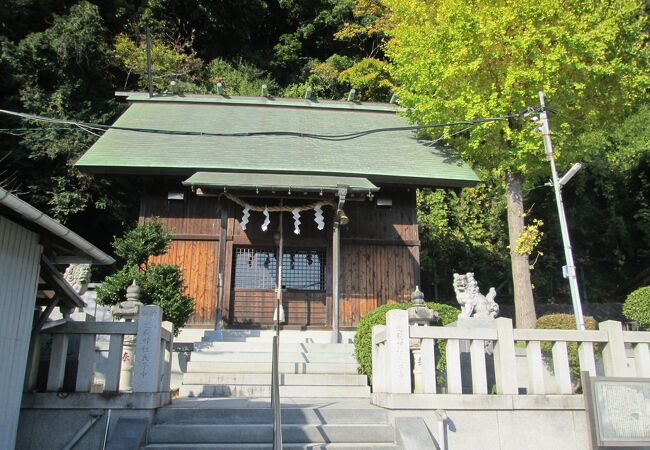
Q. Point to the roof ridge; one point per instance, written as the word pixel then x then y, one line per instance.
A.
pixel 143 97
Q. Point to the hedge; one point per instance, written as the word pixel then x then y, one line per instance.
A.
pixel 363 337
pixel 564 322
pixel 637 307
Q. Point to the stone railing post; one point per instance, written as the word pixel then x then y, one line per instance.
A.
pixel 146 366
pixel 397 348
pixel 614 358
pixel 166 355
pixel 379 362
pixel 505 365
pixel 128 310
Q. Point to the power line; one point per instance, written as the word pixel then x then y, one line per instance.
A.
pixel 328 137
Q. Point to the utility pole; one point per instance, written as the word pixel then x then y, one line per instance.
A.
pixel 568 254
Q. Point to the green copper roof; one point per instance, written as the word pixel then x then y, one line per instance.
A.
pixel 272 181
pixel 394 157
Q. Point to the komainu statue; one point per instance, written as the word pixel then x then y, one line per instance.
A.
pixel 473 304
pixel 78 276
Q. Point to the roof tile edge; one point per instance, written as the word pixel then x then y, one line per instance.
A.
pixel 140 97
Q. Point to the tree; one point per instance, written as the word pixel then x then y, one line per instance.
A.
pixel 160 284
pixel 458 60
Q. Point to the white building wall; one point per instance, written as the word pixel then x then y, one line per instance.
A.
pixel 20 253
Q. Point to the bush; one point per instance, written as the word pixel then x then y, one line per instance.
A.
pixel 564 322
pixel 637 307
pixel 160 284
pixel 363 336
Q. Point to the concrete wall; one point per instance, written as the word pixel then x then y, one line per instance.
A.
pixel 508 429
pixel 19 268
pixel 47 429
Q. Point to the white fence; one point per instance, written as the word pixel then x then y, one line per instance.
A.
pixel 151 359
pixel 396 371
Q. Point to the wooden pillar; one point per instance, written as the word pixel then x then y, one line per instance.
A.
pixel 336 260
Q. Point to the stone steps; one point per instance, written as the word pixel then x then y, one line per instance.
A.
pixel 264 390
pixel 286 336
pixel 263 434
pixel 285 347
pixel 286 379
pixel 290 416
pixel 330 446
pixel 266 357
pixel 263 367
pixel 240 366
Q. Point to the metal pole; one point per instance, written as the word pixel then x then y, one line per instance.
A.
pixel 568 254
pixel 278 296
pixel 149 75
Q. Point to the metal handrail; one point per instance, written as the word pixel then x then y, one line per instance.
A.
pixel 275 398
pixel 275 373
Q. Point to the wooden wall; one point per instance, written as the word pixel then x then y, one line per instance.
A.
pixel 195 223
pixel 199 263
pixel 379 255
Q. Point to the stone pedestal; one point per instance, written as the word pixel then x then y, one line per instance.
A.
pixel 128 311
pixel 419 315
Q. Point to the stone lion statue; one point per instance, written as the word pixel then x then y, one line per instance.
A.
pixel 78 276
pixel 473 304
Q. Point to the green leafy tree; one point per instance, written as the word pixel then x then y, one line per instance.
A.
pixel 160 284
pixel 462 232
pixel 241 78
pixel 637 307
pixel 458 60
pixel 168 63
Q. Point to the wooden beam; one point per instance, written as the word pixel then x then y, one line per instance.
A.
pixel 195 237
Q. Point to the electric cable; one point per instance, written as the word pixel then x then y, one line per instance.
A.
pixel 328 137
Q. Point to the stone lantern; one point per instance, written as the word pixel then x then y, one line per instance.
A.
pixel 128 310
pixel 419 315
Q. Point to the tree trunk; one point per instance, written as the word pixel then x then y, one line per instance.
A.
pixel 524 302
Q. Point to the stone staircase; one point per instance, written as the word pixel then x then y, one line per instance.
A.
pixel 240 366
pixel 225 397
pixel 190 424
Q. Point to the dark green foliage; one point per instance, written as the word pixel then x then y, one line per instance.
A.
pixel 463 232
pixel 564 322
pixel 363 336
pixel 160 284
pixel 637 307
pixel 138 244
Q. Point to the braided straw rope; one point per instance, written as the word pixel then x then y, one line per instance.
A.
pixel 306 207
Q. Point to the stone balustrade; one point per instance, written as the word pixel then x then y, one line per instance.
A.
pixel 152 357
pixel 609 351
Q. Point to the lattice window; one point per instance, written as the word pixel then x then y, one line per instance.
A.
pixel 255 268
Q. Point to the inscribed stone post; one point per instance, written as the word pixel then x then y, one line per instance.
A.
pixel 146 367
pixel 399 366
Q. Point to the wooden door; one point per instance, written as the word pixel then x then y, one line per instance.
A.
pixel 253 295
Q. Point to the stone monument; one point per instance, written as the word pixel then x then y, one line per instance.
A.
pixel 128 310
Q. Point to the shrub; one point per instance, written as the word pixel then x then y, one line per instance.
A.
pixel 637 307
pixel 564 322
pixel 363 336
pixel 160 284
